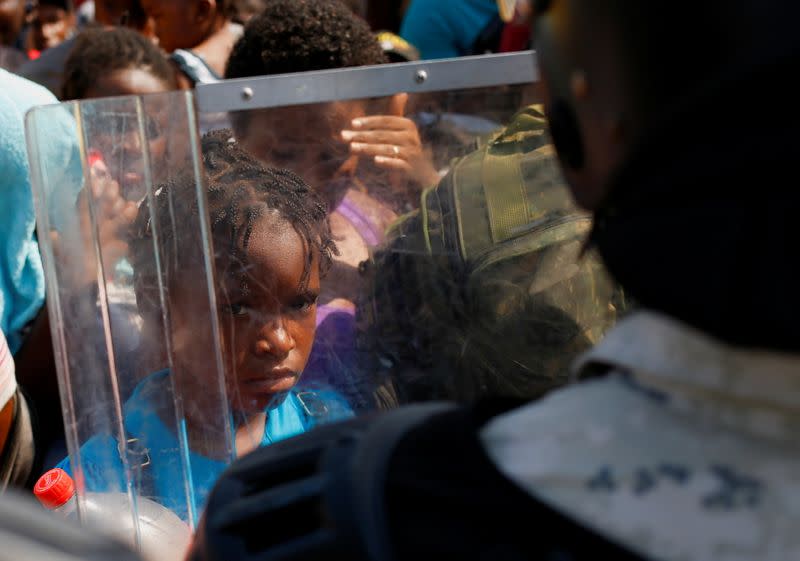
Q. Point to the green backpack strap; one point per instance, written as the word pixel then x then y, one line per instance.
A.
pixel 487 290
pixel 494 192
pixel 506 200
pixel 510 209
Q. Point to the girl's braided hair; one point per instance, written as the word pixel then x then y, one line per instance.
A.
pixel 239 190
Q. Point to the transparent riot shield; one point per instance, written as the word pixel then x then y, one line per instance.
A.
pixel 235 266
pixel 122 222
pixel 461 272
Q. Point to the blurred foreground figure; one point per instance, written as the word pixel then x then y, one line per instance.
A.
pixel 23 315
pixel 16 436
pixel 680 443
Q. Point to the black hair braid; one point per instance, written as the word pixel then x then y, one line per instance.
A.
pixel 99 51
pixel 239 191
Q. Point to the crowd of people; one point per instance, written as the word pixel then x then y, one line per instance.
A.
pixel 586 293
pixel 37 36
pixel 91 50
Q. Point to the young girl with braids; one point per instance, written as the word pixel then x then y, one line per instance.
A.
pixel 272 245
pixel 364 157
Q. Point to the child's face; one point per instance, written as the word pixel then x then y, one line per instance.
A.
pixel 268 320
pixel 306 139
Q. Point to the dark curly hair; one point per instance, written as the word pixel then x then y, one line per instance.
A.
pixel 303 35
pixel 239 191
pixel 98 52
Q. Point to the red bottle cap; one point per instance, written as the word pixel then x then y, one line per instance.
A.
pixel 54 488
pixel 93 157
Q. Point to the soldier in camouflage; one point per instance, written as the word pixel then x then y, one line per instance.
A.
pixel 486 290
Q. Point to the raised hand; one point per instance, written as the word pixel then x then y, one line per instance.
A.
pixel 393 143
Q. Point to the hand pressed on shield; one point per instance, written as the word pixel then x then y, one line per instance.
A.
pixel 393 143
pixel 113 216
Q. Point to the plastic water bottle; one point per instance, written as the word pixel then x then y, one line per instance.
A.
pixel 56 491
pixel 162 535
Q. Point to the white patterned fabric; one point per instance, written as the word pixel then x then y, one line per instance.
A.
pixel 8 381
pixel 687 450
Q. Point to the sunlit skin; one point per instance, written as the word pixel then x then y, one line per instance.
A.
pixel 196 25
pixel 268 323
pixel 179 24
pixel 315 141
pixel 308 140
pixel 327 142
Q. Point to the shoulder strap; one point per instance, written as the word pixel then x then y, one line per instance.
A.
pixel 490 196
pixel 445 499
pixel 193 65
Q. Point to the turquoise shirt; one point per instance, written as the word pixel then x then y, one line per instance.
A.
pixel 158 446
pixel 446 28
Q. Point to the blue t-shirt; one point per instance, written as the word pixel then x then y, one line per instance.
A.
pixel 158 446
pixel 446 28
